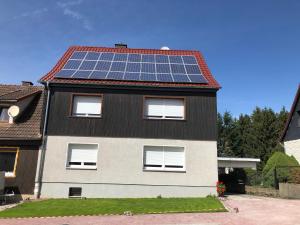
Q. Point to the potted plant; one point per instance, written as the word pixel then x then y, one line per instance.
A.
pixel 220 188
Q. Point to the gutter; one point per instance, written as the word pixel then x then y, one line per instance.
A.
pixel 44 140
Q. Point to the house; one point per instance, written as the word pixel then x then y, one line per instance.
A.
pixel 291 134
pixel 21 109
pixel 128 122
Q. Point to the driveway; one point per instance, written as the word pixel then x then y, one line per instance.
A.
pixel 252 211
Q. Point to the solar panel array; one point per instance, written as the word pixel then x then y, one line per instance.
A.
pixel 132 67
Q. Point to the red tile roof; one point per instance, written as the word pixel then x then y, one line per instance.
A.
pixel 212 83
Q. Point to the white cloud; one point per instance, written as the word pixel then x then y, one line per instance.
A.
pixel 33 13
pixel 67 11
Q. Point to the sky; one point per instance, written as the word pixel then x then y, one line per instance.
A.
pixel 251 47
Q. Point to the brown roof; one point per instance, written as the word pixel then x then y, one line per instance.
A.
pixel 29 124
pixel 17 92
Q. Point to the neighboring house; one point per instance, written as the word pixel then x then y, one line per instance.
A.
pixel 291 133
pixel 130 123
pixel 21 109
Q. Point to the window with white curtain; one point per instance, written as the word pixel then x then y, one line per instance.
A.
pixel 164 108
pixel 164 158
pixel 4 114
pixel 82 156
pixel 87 106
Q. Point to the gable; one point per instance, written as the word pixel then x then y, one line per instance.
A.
pixel 292 129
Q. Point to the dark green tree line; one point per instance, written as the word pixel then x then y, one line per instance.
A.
pixel 256 135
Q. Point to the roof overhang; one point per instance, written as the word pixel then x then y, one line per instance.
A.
pixel 290 114
pixel 227 162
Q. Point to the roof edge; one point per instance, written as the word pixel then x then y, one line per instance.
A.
pixel 293 107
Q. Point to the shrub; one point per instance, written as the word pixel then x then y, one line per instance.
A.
pixel 253 177
pixel 283 175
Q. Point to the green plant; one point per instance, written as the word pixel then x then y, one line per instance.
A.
pixel 276 160
pixel 253 177
pixel 220 188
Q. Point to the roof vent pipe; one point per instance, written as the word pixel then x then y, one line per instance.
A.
pixel 120 45
pixel 27 83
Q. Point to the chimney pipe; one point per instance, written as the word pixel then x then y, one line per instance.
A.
pixel 120 45
pixel 27 83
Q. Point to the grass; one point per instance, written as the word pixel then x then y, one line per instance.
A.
pixel 71 207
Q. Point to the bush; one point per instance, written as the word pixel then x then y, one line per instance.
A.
pixel 283 175
pixel 253 177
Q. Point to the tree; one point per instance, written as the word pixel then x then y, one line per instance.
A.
pixel 256 135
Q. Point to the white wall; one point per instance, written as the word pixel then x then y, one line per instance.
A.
pixel 120 169
pixel 293 148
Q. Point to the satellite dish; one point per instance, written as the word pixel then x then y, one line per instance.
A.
pixel 13 111
pixel 164 48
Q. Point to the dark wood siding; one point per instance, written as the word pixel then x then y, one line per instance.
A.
pixel 293 132
pixel 122 115
pixel 24 180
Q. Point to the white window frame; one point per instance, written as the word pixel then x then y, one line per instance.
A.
pixel 87 115
pixel 163 168
pixel 82 166
pixel 164 117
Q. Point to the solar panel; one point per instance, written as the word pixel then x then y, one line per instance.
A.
pixel 164 77
pixel 118 66
pixel 137 67
pixel 115 75
pixel 148 77
pixel 133 67
pixel 72 64
pixel 132 76
pixel 103 65
pixel 98 75
pixel 163 68
pixel 92 56
pixel 78 55
pixel 88 65
pixel 120 57
pixel 83 74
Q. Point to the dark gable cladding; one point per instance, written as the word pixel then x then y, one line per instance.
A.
pixel 122 114
pixel 292 129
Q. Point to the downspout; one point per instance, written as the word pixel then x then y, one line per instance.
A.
pixel 43 146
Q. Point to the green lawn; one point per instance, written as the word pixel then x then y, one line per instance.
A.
pixel 68 207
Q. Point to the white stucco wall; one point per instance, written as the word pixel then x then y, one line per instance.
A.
pixel 293 148
pixel 120 169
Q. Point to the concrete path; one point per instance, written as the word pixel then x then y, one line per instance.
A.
pixel 252 211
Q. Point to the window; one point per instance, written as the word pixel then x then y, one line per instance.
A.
pixel 82 156
pixel 8 161
pixel 75 192
pixel 164 158
pixel 164 108
pixel 4 117
pixel 87 106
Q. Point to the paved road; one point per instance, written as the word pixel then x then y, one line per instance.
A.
pixel 252 211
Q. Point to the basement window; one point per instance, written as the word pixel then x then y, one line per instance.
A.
pixel 8 161
pixel 87 106
pixel 75 192
pixel 4 114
